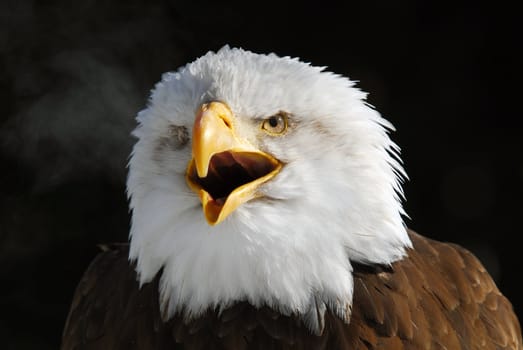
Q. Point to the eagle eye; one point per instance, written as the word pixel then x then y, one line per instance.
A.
pixel 276 124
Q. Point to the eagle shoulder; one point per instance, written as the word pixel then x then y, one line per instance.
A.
pixel 109 310
pixel 439 296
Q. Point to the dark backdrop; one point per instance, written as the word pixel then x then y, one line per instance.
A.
pixel 74 74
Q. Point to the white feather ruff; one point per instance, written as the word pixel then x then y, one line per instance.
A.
pixel 337 199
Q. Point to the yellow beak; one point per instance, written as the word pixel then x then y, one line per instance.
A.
pixel 225 170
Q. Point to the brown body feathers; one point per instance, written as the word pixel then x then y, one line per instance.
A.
pixel 438 297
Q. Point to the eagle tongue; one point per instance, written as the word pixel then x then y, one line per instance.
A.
pixel 254 165
pixel 215 165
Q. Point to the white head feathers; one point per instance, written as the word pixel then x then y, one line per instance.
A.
pixel 336 200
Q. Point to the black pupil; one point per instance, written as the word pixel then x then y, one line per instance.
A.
pixel 273 122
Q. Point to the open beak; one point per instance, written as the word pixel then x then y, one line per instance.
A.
pixel 225 170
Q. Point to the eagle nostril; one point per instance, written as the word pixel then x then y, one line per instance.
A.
pixel 227 123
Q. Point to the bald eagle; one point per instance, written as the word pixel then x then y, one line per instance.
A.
pixel 267 214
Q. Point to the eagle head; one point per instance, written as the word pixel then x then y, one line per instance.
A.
pixel 261 178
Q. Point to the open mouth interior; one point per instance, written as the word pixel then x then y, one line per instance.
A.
pixel 229 170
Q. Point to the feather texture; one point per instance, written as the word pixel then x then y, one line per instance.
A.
pixel 422 302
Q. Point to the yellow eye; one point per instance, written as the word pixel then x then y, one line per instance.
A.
pixel 276 124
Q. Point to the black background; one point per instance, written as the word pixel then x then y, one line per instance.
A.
pixel 74 74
